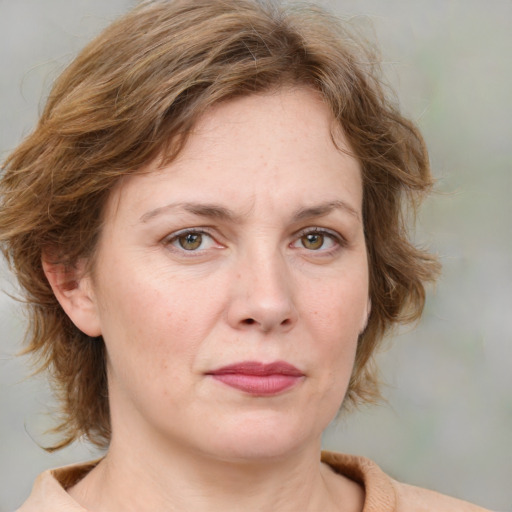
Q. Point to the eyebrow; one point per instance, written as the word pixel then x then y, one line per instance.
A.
pixel 216 211
pixel 200 209
pixel 324 209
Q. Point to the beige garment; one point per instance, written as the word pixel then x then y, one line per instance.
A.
pixel 382 493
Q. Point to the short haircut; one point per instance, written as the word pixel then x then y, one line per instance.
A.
pixel 132 96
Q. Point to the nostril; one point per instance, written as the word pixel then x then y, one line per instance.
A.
pixel 249 321
pixel 287 321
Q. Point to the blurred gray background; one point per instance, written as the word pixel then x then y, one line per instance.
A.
pixel 448 422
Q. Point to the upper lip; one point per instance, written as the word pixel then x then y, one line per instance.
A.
pixel 259 369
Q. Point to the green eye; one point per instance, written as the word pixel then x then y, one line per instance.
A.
pixel 312 241
pixel 190 241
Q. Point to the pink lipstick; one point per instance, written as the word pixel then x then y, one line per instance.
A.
pixel 257 378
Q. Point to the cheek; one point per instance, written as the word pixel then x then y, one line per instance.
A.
pixel 340 306
pixel 146 357
pixel 155 322
pixel 336 316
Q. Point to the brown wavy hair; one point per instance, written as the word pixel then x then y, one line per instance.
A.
pixel 133 95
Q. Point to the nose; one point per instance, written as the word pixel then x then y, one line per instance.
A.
pixel 262 295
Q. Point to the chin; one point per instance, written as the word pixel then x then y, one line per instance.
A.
pixel 265 437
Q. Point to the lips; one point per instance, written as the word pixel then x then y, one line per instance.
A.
pixel 257 378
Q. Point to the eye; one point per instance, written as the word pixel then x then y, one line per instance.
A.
pixel 318 240
pixel 191 240
pixel 313 241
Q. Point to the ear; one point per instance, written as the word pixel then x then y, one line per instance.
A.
pixel 74 291
pixel 366 316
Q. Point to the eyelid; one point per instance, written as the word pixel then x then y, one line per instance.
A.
pixel 168 240
pixel 338 241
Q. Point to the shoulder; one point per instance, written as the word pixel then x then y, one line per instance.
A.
pixel 410 498
pixel 384 494
pixel 49 491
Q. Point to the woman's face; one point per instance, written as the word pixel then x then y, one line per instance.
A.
pixel 231 286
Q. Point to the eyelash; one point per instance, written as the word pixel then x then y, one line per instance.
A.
pixel 174 238
pixel 336 238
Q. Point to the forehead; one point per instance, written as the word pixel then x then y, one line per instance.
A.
pixel 282 118
pixel 283 144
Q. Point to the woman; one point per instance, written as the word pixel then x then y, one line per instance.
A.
pixel 208 224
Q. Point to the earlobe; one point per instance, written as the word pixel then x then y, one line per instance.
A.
pixel 73 289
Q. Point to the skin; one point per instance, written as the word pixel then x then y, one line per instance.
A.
pixel 274 268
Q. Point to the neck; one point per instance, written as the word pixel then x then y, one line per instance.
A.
pixel 133 480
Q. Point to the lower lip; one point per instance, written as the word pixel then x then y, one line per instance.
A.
pixel 261 385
